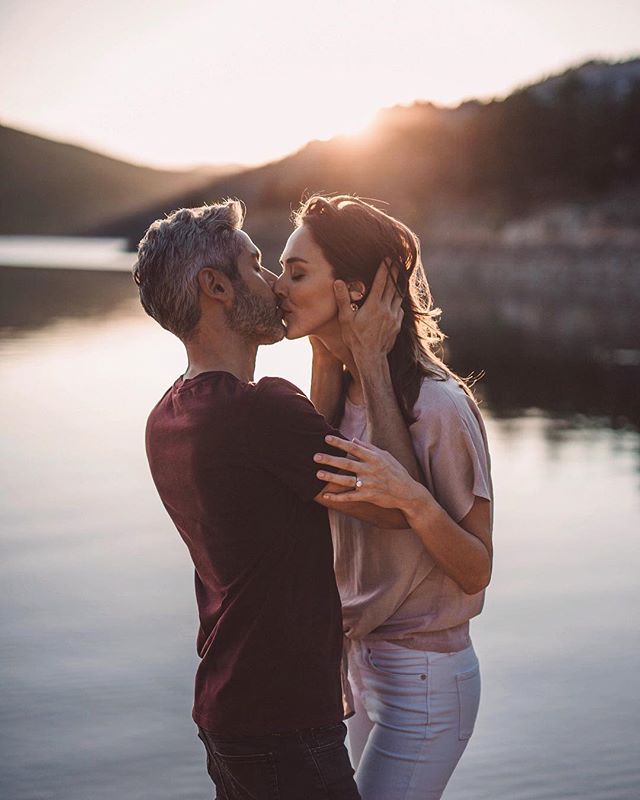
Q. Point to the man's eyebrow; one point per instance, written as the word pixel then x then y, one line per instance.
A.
pixel 257 253
pixel 293 260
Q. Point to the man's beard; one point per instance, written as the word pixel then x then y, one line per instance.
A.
pixel 255 318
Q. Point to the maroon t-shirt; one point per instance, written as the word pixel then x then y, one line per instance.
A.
pixel 233 464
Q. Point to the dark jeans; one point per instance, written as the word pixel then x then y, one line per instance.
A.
pixel 305 765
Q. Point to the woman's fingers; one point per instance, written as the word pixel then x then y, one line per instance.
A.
pixel 345 497
pixel 337 462
pixel 354 447
pixel 340 480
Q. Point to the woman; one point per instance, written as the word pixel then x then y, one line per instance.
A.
pixel 407 596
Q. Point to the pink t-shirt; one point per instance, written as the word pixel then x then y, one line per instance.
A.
pixel 390 587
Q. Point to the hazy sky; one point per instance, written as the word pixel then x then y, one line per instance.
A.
pixel 202 81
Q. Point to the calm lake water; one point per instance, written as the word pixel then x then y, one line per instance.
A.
pixel 98 624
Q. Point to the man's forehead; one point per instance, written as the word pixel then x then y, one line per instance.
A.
pixel 247 244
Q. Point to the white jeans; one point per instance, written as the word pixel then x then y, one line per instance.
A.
pixel 415 713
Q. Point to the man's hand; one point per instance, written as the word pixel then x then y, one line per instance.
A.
pixel 321 352
pixel 371 331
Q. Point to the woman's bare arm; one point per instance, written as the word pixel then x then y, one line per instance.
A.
pixel 326 379
pixel 463 550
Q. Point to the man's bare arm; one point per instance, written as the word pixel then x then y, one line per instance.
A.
pixel 370 334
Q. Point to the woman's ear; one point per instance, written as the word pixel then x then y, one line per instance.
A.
pixel 357 291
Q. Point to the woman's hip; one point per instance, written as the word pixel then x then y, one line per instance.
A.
pixel 416 689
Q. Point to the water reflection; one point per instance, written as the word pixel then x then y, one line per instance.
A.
pixel 575 388
pixel 552 328
pixel 578 381
pixel 31 299
pixel 98 624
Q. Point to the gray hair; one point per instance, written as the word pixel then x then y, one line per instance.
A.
pixel 174 250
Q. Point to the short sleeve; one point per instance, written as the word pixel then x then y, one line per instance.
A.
pixel 285 432
pixel 451 445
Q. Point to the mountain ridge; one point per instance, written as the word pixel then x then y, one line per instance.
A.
pixel 573 137
pixel 54 187
pixel 462 172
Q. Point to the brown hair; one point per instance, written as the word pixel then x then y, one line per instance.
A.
pixel 355 237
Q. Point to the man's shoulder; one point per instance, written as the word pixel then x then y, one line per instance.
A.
pixel 158 410
pixel 271 386
pixel 202 398
pixel 278 402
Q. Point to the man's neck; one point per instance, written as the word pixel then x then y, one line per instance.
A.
pixel 235 356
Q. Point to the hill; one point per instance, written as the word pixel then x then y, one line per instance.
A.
pixel 570 141
pixel 572 138
pixel 48 187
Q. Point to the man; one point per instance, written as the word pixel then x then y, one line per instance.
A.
pixel 232 461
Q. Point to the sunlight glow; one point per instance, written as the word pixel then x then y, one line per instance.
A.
pixel 207 82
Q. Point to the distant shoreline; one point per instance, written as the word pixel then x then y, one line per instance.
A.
pixel 66 252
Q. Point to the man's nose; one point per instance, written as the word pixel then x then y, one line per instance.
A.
pixel 277 286
pixel 270 277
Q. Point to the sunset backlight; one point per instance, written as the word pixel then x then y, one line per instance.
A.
pixel 211 82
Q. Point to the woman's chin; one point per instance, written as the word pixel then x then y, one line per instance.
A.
pixel 295 332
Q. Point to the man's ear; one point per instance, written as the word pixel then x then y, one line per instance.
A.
pixel 215 285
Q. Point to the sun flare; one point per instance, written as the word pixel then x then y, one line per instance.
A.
pixel 247 83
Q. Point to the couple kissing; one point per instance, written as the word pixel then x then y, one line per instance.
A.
pixel 341 543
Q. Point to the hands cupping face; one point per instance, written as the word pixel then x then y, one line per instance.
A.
pixel 377 477
pixel 374 327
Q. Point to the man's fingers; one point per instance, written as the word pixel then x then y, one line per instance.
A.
pixel 391 287
pixel 342 299
pixel 380 281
